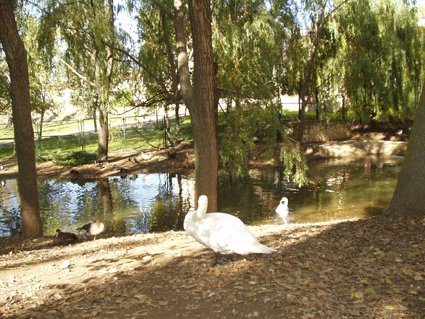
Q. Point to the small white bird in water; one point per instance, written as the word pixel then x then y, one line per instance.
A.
pixel 282 210
pixel 223 233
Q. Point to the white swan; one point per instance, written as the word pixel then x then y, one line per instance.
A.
pixel 282 210
pixel 223 233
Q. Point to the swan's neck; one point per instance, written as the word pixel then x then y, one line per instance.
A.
pixel 202 207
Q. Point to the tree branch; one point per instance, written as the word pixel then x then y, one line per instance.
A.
pixel 82 77
pixel 137 61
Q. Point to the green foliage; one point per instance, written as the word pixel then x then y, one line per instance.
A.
pixel 5 99
pixel 6 151
pixel 247 42
pixel 164 214
pixel 60 147
pixel 369 51
pixel 236 144
pixel 156 30
pixel 247 125
pixel 85 39
pixel 294 163
pixel 41 71
pixel 75 158
pixel 382 58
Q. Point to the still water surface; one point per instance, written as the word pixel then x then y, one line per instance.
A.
pixel 159 202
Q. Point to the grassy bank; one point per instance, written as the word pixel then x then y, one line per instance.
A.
pixel 79 148
pixel 74 149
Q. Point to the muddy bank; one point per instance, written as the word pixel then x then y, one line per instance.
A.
pixel 181 159
pixel 356 149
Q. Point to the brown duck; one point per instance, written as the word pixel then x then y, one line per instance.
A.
pixel 64 238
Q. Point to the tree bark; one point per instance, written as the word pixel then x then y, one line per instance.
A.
pixel 103 79
pixel 102 135
pixel 16 57
pixel 304 95
pixel 199 99
pixel 182 56
pixel 203 112
pixel 409 194
pixel 172 67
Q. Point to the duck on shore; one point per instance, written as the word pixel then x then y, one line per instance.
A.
pixel 93 229
pixel 64 238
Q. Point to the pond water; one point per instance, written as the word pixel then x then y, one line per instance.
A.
pixel 159 202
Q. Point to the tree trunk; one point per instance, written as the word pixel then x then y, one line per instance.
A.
pixel 182 56
pixel 199 99
pixel 16 57
pixel 301 115
pixel 40 129
pixel 316 94
pixel 94 119
pixel 203 111
pixel 177 117
pixel 173 69
pixel 103 77
pixel 409 194
pixel 102 136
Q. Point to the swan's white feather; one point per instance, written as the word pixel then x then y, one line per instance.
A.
pixel 222 232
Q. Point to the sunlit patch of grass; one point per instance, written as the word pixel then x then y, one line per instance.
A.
pixel 81 148
pixel 75 158
pixel 6 152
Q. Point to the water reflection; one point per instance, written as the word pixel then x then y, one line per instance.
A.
pixel 159 202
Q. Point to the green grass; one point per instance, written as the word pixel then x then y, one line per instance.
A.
pixel 6 132
pixel 75 149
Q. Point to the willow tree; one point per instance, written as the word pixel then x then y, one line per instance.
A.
pixel 381 58
pixel 318 16
pixel 16 57
pixel 44 81
pixel 248 42
pixel 90 36
pixel 157 58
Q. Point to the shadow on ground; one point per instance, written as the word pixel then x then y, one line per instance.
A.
pixel 371 268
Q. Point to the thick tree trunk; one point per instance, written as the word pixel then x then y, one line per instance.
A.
pixel 203 113
pixel 16 57
pixel 103 72
pixel 409 194
pixel 199 99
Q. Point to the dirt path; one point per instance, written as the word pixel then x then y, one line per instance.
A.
pixel 372 268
